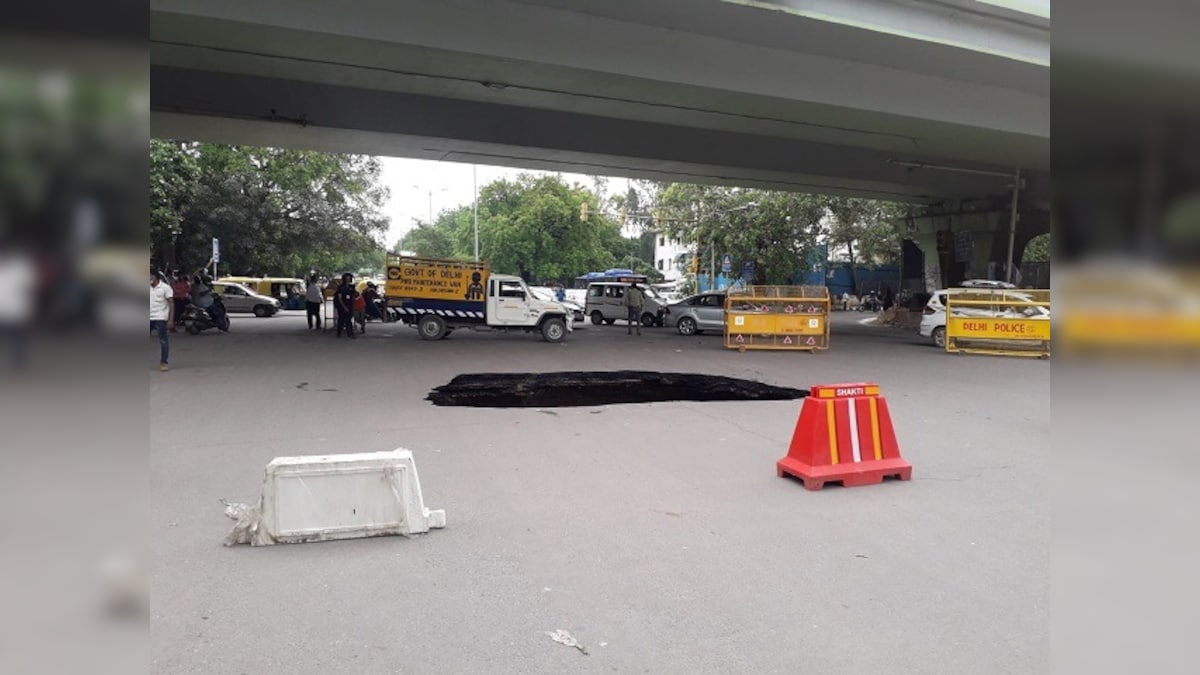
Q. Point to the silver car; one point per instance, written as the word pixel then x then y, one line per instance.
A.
pixel 698 313
pixel 238 298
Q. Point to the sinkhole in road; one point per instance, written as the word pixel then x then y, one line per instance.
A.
pixel 589 388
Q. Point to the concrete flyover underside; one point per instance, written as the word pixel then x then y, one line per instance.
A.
pixel 849 97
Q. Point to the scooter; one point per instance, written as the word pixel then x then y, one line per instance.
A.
pixel 385 314
pixel 196 319
pixel 871 302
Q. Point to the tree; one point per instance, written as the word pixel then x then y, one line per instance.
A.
pixel 429 241
pixel 774 231
pixel 1037 250
pixel 275 211
pixel 174 174
pixel 531 226
pixel 868 226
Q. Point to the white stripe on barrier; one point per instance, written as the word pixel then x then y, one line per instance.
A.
pixel 854 430
pixel 453 313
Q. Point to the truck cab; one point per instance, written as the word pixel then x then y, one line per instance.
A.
pixel 510 303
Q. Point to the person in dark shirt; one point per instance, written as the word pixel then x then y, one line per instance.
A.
pixel 371 298
pixel 343 301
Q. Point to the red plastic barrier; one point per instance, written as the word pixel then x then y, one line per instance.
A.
pixel 844 434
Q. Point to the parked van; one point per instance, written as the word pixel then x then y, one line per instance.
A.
pixel 606 303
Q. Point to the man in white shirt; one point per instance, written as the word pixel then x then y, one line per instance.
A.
pixel 313 299
pixel 162 314
pixel 18 283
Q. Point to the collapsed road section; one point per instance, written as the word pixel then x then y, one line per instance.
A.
pixel 587 388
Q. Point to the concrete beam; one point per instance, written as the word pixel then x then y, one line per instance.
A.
pixel 307 115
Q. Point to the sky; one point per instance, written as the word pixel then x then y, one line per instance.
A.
pixel 412 181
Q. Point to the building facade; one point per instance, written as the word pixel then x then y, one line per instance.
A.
pixel 670 257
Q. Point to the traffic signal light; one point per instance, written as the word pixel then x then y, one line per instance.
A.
pixel 583 211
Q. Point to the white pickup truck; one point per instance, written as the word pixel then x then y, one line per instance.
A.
pixel 439 296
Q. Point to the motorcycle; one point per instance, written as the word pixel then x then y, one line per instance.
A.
pixel 871 302
pixel 383 313
pixel 196 319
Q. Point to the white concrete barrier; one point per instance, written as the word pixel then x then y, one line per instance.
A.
pixel 324 497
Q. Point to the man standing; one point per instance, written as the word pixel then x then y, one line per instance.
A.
pixel 162 314
pixel 343 300
pixel 181 289
pixel 313 299
pixel 635 300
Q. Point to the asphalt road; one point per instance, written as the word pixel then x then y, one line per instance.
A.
pixel 658 535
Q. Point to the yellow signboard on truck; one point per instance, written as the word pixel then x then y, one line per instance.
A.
pixel 431 279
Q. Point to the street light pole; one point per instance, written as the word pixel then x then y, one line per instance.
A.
pixel 1012 227
pixel 475 187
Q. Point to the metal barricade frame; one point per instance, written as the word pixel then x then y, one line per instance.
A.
pixel 791 318
pixel 1001 321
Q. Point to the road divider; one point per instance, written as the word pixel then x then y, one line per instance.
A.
pixel 1008 322
pixel 778 318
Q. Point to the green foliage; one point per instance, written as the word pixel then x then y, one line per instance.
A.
pixel 1037 250
pixel 528 226
pixel 774 230
pixel 866 228
pixel 275 211
pixel 430 241
pixel 174 176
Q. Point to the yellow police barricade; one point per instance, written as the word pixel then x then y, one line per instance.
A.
pixel 777 317
pixel 1005 321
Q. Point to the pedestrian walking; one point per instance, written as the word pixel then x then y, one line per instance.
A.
pixel 182 290
pixel 313 299
pixel 343 300
pixel 162 315
pixel 18 289
pixel 635 300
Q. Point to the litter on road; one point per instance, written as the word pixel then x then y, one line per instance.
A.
pixel 562 637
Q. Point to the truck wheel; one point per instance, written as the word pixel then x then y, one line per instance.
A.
pixel 597 318
pixel 554 329
pixel 431 327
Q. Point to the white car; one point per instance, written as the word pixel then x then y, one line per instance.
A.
pixel 547 294
pixel 933 321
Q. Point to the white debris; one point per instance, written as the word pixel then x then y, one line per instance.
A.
pixel 562 637
pixel 246 526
